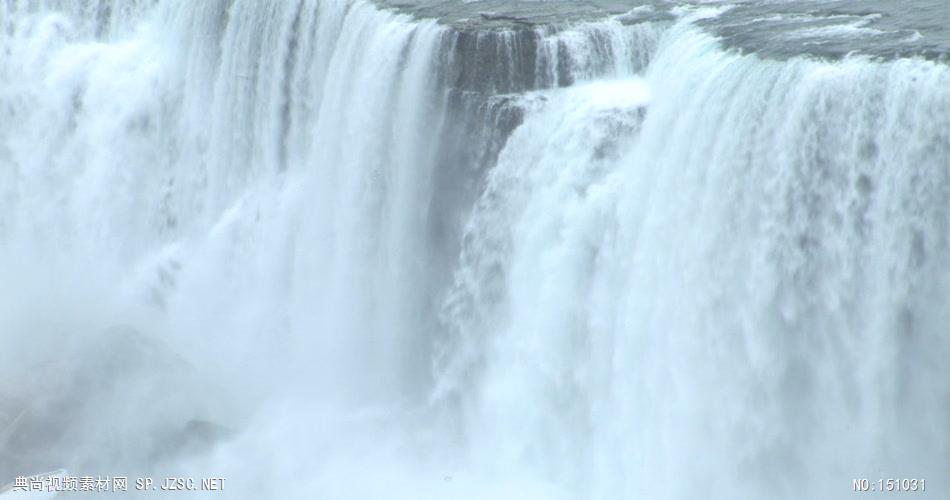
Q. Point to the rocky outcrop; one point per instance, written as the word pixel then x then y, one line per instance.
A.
pixel 117 399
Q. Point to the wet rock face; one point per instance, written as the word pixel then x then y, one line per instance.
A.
pixel 116 399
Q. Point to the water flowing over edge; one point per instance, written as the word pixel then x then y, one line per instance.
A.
pixel 397 259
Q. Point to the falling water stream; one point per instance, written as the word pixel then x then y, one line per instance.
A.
pixel 344 249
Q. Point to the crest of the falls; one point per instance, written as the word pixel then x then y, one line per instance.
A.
pixel 425 250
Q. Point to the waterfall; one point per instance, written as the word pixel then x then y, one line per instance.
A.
pixel 355 249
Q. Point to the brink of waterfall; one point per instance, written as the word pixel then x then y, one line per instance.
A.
pixel 476 249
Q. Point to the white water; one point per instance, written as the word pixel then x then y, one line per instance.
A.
pixel 712 276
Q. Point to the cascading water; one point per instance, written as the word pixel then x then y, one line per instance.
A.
pixel 346 249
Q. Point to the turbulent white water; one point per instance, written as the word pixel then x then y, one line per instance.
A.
pixel 331 251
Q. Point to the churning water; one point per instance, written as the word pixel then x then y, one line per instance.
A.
pixel 342 249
